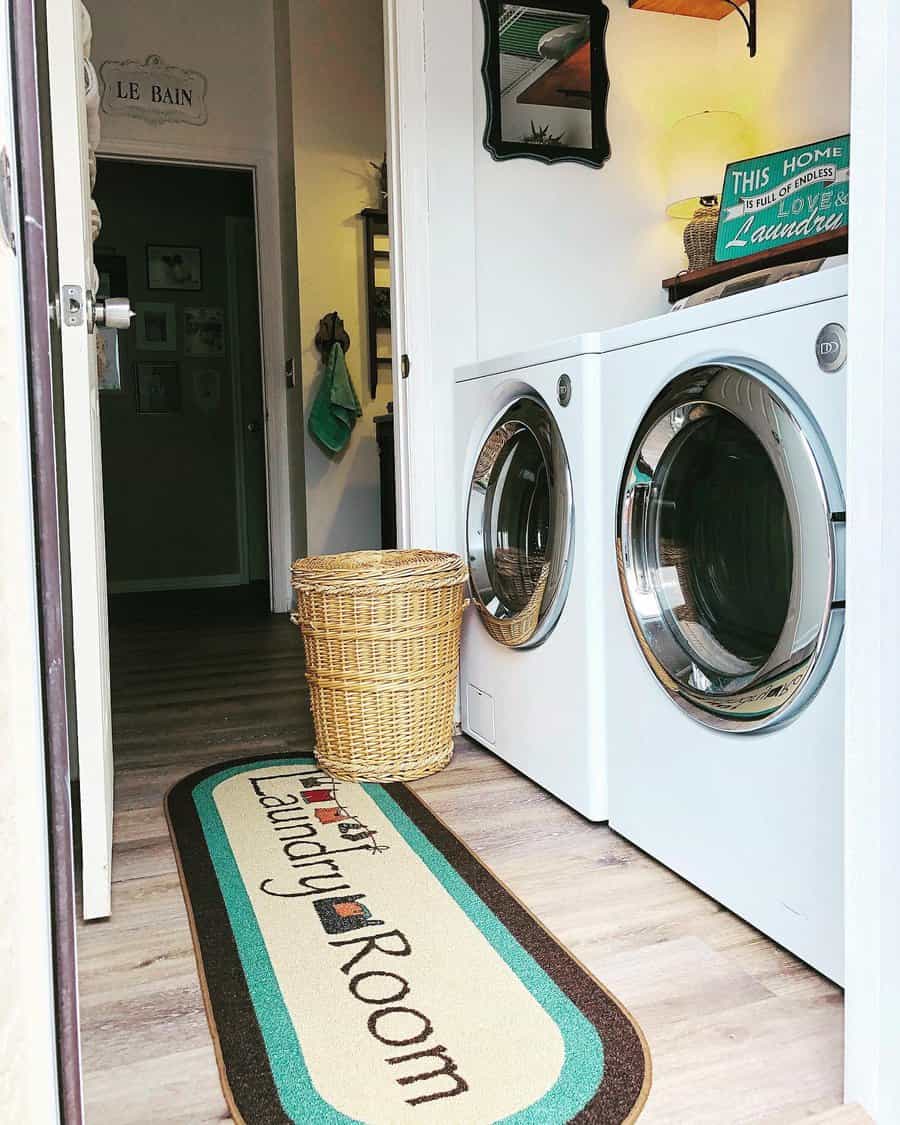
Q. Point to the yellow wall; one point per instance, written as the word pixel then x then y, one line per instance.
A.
pixel 339 126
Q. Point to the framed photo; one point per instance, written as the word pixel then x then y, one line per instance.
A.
pixel 546 80
pixel 204 332
pixel 174 267
pixel 207 387
pixel 158 388
pixel 156 328
pixel 113 272
pixel 109 376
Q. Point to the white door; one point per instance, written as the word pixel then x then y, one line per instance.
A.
pixel 65 29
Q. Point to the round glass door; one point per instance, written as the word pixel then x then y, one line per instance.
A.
pixel 519 525
pixel 728 556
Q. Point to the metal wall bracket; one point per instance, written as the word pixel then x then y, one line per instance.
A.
pixel 749 22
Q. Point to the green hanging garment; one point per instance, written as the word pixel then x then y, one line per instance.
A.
pixel 336 407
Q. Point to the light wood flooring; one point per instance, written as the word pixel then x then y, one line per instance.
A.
pixel 739 1030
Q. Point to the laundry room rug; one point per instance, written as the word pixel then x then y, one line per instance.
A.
pixel 360 964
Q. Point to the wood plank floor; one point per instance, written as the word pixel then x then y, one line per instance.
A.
pixel 739 1030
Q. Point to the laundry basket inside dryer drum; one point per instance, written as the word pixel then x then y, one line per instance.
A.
pixel 730 548
pixel 519 525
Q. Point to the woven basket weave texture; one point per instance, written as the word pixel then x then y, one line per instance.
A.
pixel 381 634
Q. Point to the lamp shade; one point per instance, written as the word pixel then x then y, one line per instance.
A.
pixel 698 148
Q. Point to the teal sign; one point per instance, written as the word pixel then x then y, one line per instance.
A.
pixel 770 201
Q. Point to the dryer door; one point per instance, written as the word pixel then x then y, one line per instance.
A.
pixel 519 525
pixel 730 548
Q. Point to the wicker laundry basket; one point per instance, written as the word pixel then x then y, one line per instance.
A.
pixel 381 634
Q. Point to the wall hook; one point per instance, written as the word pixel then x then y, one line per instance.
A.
pixel 331 330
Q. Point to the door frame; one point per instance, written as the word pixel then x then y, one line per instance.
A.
pixel 38 721
pixel 431 204
pixel 237 398
pixel 872 726
pixel 261 164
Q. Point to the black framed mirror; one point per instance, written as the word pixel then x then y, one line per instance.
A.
pixel 546 80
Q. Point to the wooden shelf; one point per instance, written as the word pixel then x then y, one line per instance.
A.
pixel 702 9
pixel 820 246
pixel 566 84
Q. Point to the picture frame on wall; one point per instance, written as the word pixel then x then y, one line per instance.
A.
pixel 204 331
pixel 174 267
pixel 158 388
pixel 546 81
pixel 156 327
pixel 109 375
pixel 112 271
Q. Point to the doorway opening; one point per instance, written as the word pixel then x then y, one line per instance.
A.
pixel 181 395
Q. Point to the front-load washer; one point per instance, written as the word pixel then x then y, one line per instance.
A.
pixel 724 456
pixel 526 526
pixel 685 673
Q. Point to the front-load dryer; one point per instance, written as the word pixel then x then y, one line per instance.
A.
pixel 527 525
pixel 723 460
pixel 673 589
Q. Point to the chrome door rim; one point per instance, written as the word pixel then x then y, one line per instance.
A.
pixel 526 412
pixel 772 691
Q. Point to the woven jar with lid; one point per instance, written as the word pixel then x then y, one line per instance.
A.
pixel 700 234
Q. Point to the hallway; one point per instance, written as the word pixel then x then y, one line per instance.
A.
pixel 740 1031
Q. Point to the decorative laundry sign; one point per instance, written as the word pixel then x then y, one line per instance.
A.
pixel 152 91
pixel 770 201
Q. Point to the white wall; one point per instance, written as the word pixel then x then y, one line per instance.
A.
pixel 241 50
pixel 797 89
pixel 228 41
pixel 564 249
pixel 339 126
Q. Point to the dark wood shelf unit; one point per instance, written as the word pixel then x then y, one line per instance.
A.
pixel 384 435
pixel 820 246
pixel 375 225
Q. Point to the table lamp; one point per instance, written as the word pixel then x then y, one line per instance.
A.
pixel 698 149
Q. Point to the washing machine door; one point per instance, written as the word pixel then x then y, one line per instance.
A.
pixel 730 548
pixel 519 525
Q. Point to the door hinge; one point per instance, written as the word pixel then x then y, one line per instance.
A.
pixel 404 366
pixel 72 306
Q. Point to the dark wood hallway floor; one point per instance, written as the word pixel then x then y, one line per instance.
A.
pixel 739 1030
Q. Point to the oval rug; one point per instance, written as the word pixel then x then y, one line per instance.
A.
pixel 360 964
